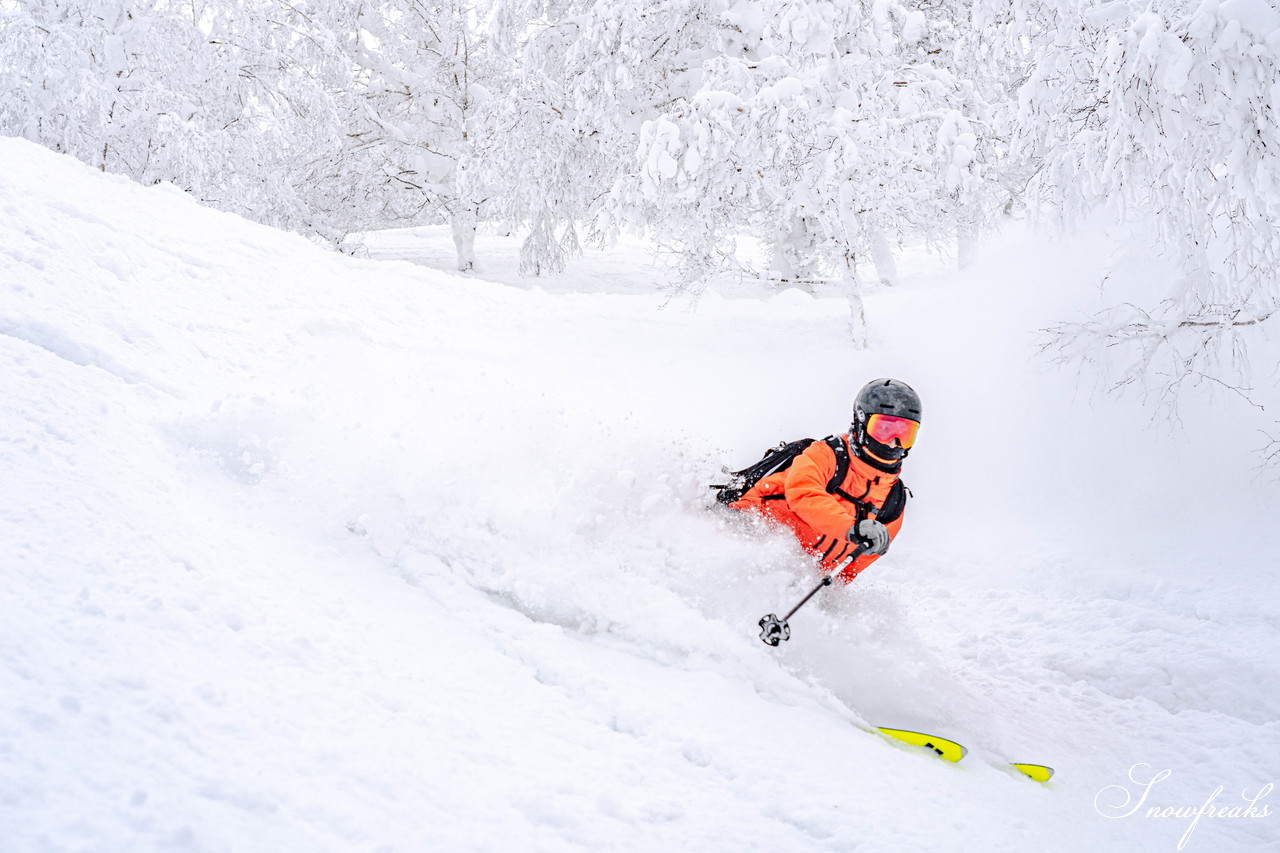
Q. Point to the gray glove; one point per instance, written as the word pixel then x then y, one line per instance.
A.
pixel 871 535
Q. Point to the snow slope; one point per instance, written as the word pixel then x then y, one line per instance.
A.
pixel 302 552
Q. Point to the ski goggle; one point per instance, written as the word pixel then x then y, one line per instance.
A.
pixel 886 428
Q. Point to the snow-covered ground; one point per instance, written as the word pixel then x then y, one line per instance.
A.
pixel 310 553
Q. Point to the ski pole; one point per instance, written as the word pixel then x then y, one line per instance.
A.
pixel 774 630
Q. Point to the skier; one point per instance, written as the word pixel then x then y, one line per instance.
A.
pixel 832 515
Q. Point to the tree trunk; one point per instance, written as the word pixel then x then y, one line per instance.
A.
pixel 966 246
pixel 852 286
pixel 780 268
pixel 464 236
pixel 882 256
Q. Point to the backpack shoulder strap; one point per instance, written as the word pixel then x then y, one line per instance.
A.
pixel 894 503
pixel 837 445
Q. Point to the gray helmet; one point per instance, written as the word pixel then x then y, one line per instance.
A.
pixel 883 397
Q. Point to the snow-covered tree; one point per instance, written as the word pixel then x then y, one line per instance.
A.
pixel 101 80
pixel 428 84
pixel 324 117
pixel 238 103
pixel 1168 115
pixel 826 130
pixel 590 72
pixel 975 56
pixel 291 106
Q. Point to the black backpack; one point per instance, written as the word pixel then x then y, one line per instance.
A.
pixel 779 458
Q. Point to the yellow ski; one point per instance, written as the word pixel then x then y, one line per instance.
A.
pixel 1036 771
pixel 948 749
pixel 952 751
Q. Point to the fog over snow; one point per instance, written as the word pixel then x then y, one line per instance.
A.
pixel 302 552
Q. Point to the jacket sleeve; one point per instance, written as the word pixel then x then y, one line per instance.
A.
pixel 807 494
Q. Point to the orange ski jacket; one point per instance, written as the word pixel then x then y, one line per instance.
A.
pixel 798 498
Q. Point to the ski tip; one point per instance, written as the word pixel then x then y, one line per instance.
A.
pixel 947 749
pixel 1035 771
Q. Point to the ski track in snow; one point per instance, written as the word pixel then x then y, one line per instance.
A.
pixel 304 552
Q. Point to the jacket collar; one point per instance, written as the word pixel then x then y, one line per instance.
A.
pixel 860 458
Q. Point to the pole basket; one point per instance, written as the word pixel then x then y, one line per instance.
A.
pixel 774 630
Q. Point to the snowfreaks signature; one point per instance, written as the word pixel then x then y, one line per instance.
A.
pixel 1107 804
